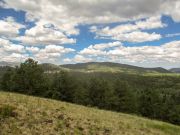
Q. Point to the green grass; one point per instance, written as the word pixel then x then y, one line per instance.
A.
pixel 39 116
pixel 162 74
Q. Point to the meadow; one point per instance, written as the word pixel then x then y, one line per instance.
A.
pixel 27 115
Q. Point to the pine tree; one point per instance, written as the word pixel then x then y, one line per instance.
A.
pixel 126 98
pixel 63 87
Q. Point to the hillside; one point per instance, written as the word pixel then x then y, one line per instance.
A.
pixel 112 67
pixel 11 64
pixel 28 115
pixel 175 70
pixel 98 67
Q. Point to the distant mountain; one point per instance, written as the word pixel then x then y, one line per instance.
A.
pixel 112 67
pixel 96 67
pixel 10 64
pixel 49 66
pixel 175 70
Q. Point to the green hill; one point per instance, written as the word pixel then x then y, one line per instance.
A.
pixel 10 64
pixel 112 67
pixel 102 67
pixel 175 70
pixel 26 115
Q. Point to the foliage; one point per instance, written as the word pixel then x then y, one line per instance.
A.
pixel 28 78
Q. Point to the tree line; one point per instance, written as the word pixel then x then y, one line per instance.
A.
pixel 156 97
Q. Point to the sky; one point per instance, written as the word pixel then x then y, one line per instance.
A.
pixel 138 32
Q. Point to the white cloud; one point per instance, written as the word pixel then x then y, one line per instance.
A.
pixel 168 52
pixel 4 42
pixel 145 55
pixel 57 49
pixel 9 27
pixel 33 49
pixel 49 12
pixel 150 23
pixel 67 60
pixel 171 8
pixel 14 48
pixel 91 51
pixel 67 15
pixel 7 46
pixel 98 49
pixel 15 52
pixel 172 35
pixel 11 52
pixel 44 34
pixel 56 21
pixel 137 36
pixel 14 57
pixel 78 59
pixel 105 46
pixel 52 53
pixel 131 32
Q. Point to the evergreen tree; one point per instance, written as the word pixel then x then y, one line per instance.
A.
pixel 101 94
pixel 150 103
pixel 126 98
pixel 63 87
pixel 6 81
pixel 30 77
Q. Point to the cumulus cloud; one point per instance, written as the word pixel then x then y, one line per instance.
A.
pixel 78 59
pixel 105 46
pixel 57 21
pixel 131 32
pixel 137 36
pixel 15 57
pixel 9 27
pixel 99 49
pixel 14 48
pixel 11 52
pixel 52 53
pixel 44 34
pixel 17 53
pixel 10 47
pixel 171 8
pixel 47 11
pixel 167 53
pixel 66 15
pixel 33 49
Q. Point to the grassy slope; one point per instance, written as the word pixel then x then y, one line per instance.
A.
pixel 112 67
pixel 36 116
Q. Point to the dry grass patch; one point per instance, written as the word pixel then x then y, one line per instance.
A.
pixel 38 116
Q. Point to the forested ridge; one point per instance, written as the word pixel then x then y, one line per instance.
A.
pixel 156 97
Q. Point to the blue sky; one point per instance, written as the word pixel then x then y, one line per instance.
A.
pixel 147 33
